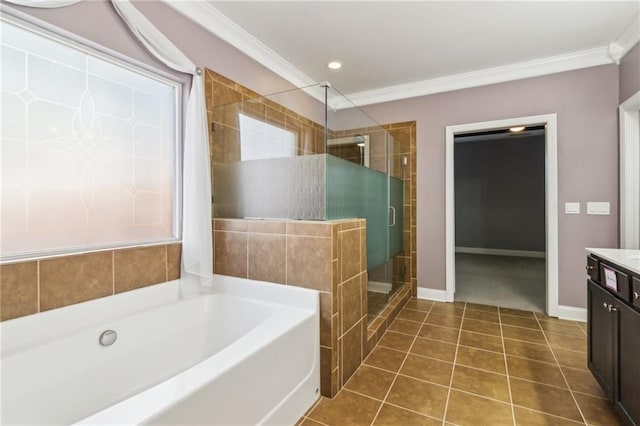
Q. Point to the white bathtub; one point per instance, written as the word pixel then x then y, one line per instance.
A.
pixel 237 353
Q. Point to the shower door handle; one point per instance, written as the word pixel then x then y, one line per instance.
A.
pixel 393 216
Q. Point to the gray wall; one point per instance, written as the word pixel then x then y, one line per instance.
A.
pixel 629 73
pixel 499 193
pixel 585 100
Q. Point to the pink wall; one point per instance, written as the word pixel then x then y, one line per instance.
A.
pixel 585 102
pixel 630 73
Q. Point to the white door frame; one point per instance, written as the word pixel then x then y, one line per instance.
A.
pixel 551 194
pixel 630 173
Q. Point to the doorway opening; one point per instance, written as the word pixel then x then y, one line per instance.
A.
pixel 501 213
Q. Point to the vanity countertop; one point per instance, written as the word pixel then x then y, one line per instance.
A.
pixel 627 258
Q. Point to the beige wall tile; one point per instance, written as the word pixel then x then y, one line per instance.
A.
pixel 18 290
pixel 237 225
pixel 267 227
pixel 174 258
pixel 139 267
pixel 267 257
pixel 325 319
pixel 73 279
pixel 230 253
pixel 351 352
pixel 310 229
pixel 351 310
pixel 309 262
pixel 325 371
pixel 350 254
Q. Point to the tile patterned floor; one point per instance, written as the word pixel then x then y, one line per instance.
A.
pixel 467 364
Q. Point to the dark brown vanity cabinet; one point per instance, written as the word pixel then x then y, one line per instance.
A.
pixel 614 341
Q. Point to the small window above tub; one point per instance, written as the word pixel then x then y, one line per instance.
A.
pixel 260 140
pixel 89 148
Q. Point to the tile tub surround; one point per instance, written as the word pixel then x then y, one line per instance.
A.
pixel 438 365
pixel 40 285
pixel 326 256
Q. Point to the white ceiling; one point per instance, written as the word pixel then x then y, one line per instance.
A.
pixel 395 49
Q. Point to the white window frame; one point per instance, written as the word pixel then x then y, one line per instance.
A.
pixel 74 41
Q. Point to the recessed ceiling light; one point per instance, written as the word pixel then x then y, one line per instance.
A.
pixel 516 129
pixel 334 65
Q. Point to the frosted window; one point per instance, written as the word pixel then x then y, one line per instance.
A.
pixel 88 148
pixel 259 140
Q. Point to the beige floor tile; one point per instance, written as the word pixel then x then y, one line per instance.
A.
pixel 565 341
pixel 385 358
pixel 481 315
pixel 391 415
pixel 478 307
pixel 404 326
pixel 525 417
pixel 419 304
pixel 416 395
pixel 517 312
pixel 524 334
pixel 569 358
pixel 482 383
pixel 465 409
pixel 562 326
pixel 444 320
pixel 435 332
pixel 428 369
pixel 582 381
pixel 397 341
pixel 347 408
pixel 370 381
pixel 434 349
pixel 412 315
pixel 481 341
pixel 529 350
pixel 484 327
pixel 520 321
pixel 597 412
pixel 544 398
pixel 535 371
pixel 478 358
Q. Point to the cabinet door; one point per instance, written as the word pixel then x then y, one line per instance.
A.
pixel 627 395
pixel 600 336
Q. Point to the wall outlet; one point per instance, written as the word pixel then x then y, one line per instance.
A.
pixel 598 208
pixel 571 208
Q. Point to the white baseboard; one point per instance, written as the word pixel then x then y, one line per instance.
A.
pixel 572 313
pixel 432 294
pixel 501 252
pixel 379 287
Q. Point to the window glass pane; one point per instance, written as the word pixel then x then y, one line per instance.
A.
pixel 260 140
pixel 88 150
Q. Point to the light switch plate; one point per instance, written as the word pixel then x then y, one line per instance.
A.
pixel 598 208
pixel 571 208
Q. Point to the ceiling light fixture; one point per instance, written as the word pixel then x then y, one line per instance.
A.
pixel 334 65
pixel 516 129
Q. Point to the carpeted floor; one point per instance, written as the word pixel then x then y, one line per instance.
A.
pixel 505 281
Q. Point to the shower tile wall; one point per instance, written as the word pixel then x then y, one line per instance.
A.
pixel 40 285
pixel 224 142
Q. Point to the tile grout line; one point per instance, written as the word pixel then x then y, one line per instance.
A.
pixel 453 369
pixel 400 368
pixel 506 369
pixel 575 401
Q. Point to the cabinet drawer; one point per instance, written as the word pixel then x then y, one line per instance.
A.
pixel 615 281
pixel 593 269
pixel 635 292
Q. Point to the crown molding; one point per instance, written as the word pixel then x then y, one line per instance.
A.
pixel 528 69
pixel 214 21
pixel 211 19
pixel 626 40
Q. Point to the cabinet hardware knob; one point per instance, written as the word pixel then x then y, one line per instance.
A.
pixel 636 295
pixel 605 305
pixel 590 268
pixel 612 308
